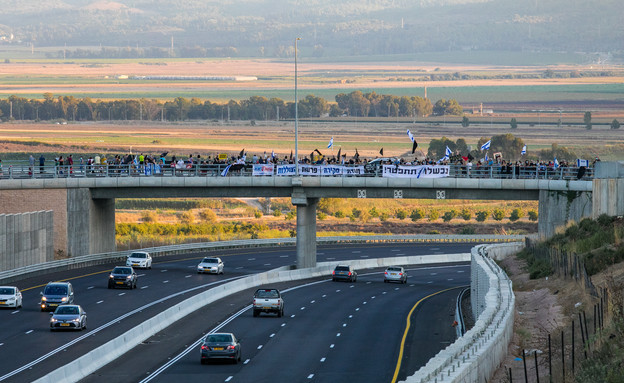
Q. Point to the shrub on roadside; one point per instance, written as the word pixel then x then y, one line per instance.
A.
pixel 498 214
pixel 373 212
pixel 277 213
pixel 208 215
pixel 339 214
pixel 258 214
pixel 321 216
pixel 532 215
pixel 417 214
pixel 482 215
pixel 148 216
pixel 466 214
pixel 401 214
pixel 383 217
pixel 434 214
pixel 516 214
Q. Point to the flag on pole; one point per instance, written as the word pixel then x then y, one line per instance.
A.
pixel 523 152
pixel 414 146
pixel 331 143
pixel 486 146
pixel 410 135
pixel 357 155
pixel 272 153
pixel 242 152
pixel 226 170
pixel 291 155
pixel 556 163
pixel 486 158
pixel 381 152
pixel 448 152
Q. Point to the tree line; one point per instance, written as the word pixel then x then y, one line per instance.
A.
pixel 356 104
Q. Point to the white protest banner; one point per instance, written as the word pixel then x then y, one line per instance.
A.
pixel 309 170
pixel 332 170
pixel 286 170
pixel 419 171
pixel 263 169
pixel 353 170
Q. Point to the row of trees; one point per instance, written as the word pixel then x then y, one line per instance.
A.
pixel 255 108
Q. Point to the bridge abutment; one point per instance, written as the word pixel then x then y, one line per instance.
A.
pixel 608 189
pixel 558 207
pixel 90 223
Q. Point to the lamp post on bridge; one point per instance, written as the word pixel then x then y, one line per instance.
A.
pixel 296 115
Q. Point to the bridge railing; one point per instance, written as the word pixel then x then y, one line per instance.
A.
pixel 496 171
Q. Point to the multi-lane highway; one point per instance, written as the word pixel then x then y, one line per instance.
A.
pixel 332 331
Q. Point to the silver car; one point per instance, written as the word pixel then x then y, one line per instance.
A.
pixel 212 265
pixel 395 274
pixel 68 317
pixel 221 346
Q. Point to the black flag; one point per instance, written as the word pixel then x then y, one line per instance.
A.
pixel 339 150
pixel 242 152
pixel 291 154
pixel 381 152
pixel 357 155
pixel 414 146
pixel 316 150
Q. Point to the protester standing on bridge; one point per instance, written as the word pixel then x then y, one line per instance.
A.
pixel 41 163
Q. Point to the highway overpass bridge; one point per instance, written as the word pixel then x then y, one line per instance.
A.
pixel 84 207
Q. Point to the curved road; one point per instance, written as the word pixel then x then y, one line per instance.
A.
pixel 34 351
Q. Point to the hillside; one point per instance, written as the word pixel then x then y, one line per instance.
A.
pixel 262 28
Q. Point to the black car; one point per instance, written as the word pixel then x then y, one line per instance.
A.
pixel 122 276
pixel 344 273
pixel 220 346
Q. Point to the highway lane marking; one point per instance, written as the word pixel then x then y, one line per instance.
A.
pixel 363 303
pixel 396 288
pixel 251 259
pixel 395 250
pixel 120 294
pixel 330 259
pixel 267 264
pixel 240 267
pixel 167 281
pixel 385 292
pixel 331 345
pixel 88 288
pixel 400 254
pixel 369 282
pixel 259 347
pixel 338 334
pixel 284 256
pixel 429 282
pixel 337 291
pixel 15 312
pixel 322 360
pixel 283 324
pixel 350 316
pixel 407 327
pixel 412 285
pixel 163 271
pixel 434 248
pixel 363 256
pixel 144 287
pixel 229 378
pixel 187 276
pixel 272 335
pixel 141 275
pixel 1 344
pixel 344 325
pixel 357 309
pixel 356 252
pixel 460 271
pixel 310 376
pixel 29 331
pixel 312 301
pixel 246 361
pixel 373 297
pixel 352 286
pixel 433 273
pixel 324 295
pixel 320 253
pixel 450 279
pixel 98 302
pixel 303 308
pixel 292 316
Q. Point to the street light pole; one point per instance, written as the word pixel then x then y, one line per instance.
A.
pixel 296 115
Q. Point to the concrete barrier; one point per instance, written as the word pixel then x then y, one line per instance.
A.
pixel 101 356
pixel 476 356
pixel 15 274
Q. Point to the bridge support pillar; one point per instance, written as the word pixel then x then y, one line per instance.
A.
pixel 90 223
pixel 306 230
pixel 557 208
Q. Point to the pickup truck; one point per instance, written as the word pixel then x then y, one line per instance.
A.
pixel 268 301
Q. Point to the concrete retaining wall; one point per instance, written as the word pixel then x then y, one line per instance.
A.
pixel 476 356
pixel 26 239
pixel 115 348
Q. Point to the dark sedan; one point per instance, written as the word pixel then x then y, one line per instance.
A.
pixel 122 276
pixel 68 317
pixel 221 346
pixel 344 273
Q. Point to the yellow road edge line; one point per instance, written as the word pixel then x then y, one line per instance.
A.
pixel 398 366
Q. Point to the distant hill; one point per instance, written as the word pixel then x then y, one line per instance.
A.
pixel 267 28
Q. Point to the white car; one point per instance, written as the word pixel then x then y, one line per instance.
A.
pixel 212 265
pixel 10 296
pixel 140 259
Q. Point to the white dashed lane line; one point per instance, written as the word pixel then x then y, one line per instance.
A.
pixel 363 303
pixel 332 346
pixel 460 271
pixel 363 256
pixel 271 336
pixel 29 331
pixel 239 267
pixel 120 294
pixel 312 301
pixel 338 334
pixel 98 302
pixel 350 316
pixel 259 347
pixel 356 252
pixel 324 295
pixel 90 287
pixel 167 281
pixel 429 282
pixel 15 312
pixel 400 254
pixel 337 291
pixel 144 287
pixel 1 344
pixel 320 253
pixel 323 359
pixel 357 309
pixel 283 324
pixel 344 325
pixel 284 256
pixel 267 264
pixel 141 275
pixel 229 378
pixel 292 316
pixel 251 259
pixel 163 271
pixel 303 308
pixel 246 361
pixel 310 376
pixel 187 276
pixel 433 273
pixel 331 259
pixel 395 250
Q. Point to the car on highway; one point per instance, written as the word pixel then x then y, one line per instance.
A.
pixel 122 276
pixel 56 294
pixel 395 274
pixel 68 317
pixel 10 296
pixel 344 273
pixel 212 265
pixel 221 346
pixel 268 301
pixel 140 259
